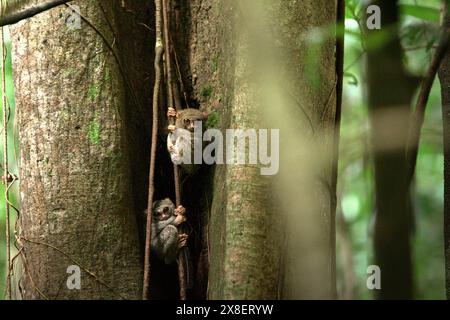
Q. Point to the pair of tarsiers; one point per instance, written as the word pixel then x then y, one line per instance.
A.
pixel 167 241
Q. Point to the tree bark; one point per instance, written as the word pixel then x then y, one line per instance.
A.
pixel 252 56
pixel 261 237
pixel 79 125
pixel 390 90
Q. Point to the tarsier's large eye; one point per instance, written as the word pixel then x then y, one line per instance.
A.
pixel 166 209
pixel 186 121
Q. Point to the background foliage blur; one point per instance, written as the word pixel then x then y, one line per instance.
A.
pixel 419 31
pixel 355 188
pixel 13 166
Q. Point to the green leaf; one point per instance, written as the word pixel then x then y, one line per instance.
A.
pixel 353 79
pixel 421 12
pixel 352 7
pixel 213 120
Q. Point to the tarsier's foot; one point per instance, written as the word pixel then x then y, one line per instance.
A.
pixel 171 112
pixel 180 211
pixel 179 219
pixel 171 127
pixel 171 148
pixel 180 214
pixel 182 240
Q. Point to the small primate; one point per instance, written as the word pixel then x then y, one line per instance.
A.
pixel 166 240
pixel 186 118
pixel 181 138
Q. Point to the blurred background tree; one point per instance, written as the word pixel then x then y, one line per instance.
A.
pixel 418 35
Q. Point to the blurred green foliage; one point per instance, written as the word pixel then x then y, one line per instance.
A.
pixel 12 158
pixel 418 32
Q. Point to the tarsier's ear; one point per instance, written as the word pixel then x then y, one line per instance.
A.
pixel 155 205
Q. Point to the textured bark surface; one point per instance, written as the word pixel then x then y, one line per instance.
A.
pixel 261 237
pixel 79 127
pixel 252 57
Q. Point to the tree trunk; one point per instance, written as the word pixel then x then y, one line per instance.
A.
pixel 390 93
pixel 79 125
pixel 444 77
pixel 261 237
pixel 253 57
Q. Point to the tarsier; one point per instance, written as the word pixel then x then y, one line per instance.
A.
pixel 181 141
pixel 166 240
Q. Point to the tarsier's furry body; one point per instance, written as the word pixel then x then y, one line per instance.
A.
pixel 181 139
pixel 166 239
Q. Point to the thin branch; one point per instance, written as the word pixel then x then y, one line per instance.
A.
pixel 337 119
pixel 421 105
pixel 6 174
pixel 168 60
pixel 174 100
pixel 155 106
pixel 351 64
pixel 15 17
pixel 180 78
pixel 27 271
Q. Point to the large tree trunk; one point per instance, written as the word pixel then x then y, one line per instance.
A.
pixel 269 236
pixel 444 77
pixel 79 126
pixel 390 93
pixel 262 236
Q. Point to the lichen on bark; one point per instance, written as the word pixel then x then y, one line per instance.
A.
pixel 77 207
